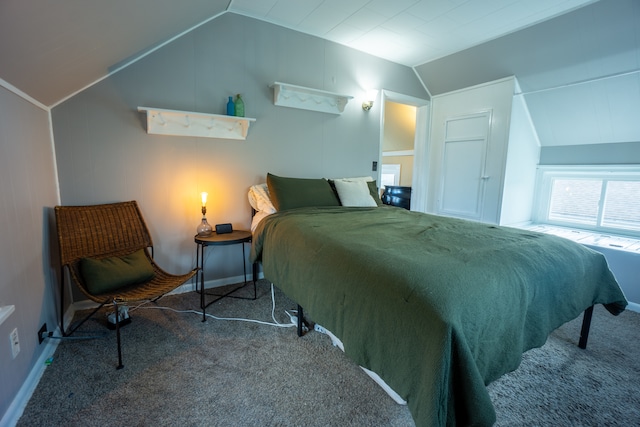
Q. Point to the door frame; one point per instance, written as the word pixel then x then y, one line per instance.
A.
pixel 420 178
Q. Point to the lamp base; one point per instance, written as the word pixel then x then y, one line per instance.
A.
pixel 204 229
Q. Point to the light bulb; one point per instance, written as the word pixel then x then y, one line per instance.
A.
pixel 204 195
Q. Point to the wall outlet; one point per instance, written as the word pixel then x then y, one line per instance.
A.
pixel 15 342
pixel 42 333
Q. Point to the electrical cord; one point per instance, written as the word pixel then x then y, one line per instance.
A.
pixel 275 323
pixel 238 319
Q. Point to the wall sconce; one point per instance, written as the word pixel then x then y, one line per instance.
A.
pixel 204 229
pixel 371 95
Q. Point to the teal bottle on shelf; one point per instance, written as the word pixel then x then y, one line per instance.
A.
pixel 239 106
pixel 231 108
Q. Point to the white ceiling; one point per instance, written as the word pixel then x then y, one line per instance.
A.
pixel 52 49
pixel 409 32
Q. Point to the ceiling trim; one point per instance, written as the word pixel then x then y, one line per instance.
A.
pixel 11 88
pixel 421 81
pixel 578 83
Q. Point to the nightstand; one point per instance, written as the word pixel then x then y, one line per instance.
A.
pixel 236 237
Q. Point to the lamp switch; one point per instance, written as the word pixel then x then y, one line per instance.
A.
pixel 374 166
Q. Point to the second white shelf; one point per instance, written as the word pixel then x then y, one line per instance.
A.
pixel 287 95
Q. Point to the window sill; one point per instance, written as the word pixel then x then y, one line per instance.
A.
pixel 589 238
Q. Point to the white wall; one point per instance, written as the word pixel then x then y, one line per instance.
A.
pixel 493 97
pixel 523 154
pixel 627 153
pixel 28 193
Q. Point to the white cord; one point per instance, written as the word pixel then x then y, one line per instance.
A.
pixel 238 319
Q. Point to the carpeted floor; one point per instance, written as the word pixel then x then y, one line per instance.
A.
pixel 181 371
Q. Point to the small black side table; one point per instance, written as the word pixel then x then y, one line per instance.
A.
pixel 235 237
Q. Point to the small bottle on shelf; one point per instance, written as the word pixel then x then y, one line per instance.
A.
pixel 231 108
pixel 239 106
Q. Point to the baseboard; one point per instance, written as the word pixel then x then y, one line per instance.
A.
pixel 190 287
pixel 16 408
pixel 633 307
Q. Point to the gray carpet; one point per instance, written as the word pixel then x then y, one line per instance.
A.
pixel 181 371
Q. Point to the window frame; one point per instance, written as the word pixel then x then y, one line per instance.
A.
pixel 544 184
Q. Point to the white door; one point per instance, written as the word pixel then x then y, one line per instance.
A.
pixel 463 165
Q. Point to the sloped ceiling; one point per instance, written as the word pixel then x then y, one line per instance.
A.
pixel 50 49
pixel 577 61
pixel 579 73
pixel 409 32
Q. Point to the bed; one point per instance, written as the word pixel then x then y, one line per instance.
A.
pixel 437 307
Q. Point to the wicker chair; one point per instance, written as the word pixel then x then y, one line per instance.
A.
pixel 102 231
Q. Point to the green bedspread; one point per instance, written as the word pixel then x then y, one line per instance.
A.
pixel 438 307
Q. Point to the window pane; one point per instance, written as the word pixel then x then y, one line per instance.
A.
pixel 575 200
pixel 622 205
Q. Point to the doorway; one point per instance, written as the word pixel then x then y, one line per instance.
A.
pixel 404 129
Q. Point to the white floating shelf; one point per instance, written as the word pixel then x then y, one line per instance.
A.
pixel 187 123
pixel 305 98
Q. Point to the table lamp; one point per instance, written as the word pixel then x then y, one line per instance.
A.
pixel 204 229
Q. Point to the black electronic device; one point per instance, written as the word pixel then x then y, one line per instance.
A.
pixel 223 228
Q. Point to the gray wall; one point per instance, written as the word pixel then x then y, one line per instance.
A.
pixel 27 193
pixel 104 154
pixel 591 154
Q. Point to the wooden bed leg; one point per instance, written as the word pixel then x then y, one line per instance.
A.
pixel 586 324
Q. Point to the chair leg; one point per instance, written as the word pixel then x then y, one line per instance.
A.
pixel 115 306
pixel 62 330
pixel 72 328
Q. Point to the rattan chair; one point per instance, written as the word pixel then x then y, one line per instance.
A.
pixel 102 231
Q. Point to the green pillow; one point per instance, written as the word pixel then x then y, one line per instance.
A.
pixel 373 190
pixel 290 193
pixel 108 274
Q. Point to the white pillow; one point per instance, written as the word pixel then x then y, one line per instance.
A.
pixel 259 198
pixel 354 192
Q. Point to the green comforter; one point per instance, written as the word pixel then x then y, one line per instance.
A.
pixel 438 307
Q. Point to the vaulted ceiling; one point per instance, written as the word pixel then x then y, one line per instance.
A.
pixel 579 73
pixel 577 61
pixel 50 49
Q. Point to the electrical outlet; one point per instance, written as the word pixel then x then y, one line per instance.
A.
pixel 42 333
pixel 15 342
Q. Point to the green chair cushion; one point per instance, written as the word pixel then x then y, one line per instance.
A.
pixel 108 274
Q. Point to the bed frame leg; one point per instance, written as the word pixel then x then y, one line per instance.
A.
pixel 586 325
pixel 300 320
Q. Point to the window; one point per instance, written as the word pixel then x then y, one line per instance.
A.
pixel 595 198
pixel 390 175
